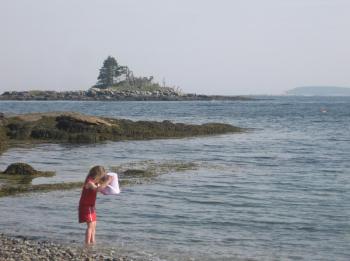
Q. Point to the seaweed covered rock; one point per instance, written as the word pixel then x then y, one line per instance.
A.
pixel 20 169
pixel 3 135
pixel 23 169
pixel 86 119
pixel 17 178
pixel 73 127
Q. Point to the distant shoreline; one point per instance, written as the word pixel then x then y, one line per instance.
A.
pixel 321 91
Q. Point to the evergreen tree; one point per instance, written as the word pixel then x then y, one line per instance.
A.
pixel 109 73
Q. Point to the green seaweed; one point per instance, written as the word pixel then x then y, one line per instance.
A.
pixel 141 171
pixel 129 174
pixel 16 187
pixel 20 189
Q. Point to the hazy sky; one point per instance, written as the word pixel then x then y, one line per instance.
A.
pixel 202 46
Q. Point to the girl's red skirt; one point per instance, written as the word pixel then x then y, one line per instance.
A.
pixel 87 214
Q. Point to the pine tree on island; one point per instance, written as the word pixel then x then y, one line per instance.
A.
pixel 110 73
pixel 120 78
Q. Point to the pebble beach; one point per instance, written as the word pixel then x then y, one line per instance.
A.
pixel 22 248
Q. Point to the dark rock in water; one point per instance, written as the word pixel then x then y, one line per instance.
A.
pixel 17 178
pixel 20 169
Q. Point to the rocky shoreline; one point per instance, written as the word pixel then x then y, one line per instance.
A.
pixel 96 94
pixel 24 249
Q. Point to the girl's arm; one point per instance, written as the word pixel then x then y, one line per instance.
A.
pixel 99 187
pixel 104 184
pixel 91 185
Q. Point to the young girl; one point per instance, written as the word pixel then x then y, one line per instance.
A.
pixel 95 181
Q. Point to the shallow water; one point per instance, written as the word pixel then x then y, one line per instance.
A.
pixel 278 191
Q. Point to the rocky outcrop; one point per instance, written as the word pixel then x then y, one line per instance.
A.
pixel 23 169
pixel 17 178
pixel 3 136
pixel 73 116
pixel 20 169
pixel 110 94
pixel 71 127
pixel 91 94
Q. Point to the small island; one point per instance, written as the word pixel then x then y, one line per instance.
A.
pixel 117 83
pixel 319 91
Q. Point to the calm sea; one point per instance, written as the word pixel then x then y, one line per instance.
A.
pixel 280 191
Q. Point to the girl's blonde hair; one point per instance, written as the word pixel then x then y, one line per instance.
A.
pixel 96 173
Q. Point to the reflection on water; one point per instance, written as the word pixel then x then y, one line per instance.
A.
pixel 280 191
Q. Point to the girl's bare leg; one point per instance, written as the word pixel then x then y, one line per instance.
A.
pixel 93 232
pixel 88 233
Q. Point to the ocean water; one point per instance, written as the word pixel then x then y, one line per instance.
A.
pixel 279 191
